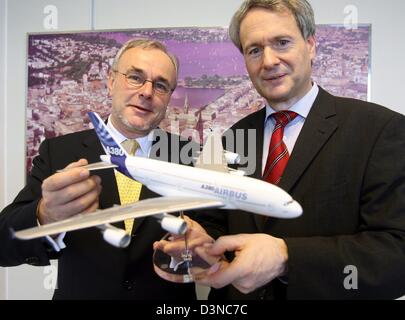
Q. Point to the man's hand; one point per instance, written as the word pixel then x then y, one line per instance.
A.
pixel 68 193
pixel 196 238
pixel 259 258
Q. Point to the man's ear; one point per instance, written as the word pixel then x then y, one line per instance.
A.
pixel 311 44
pixel 110 83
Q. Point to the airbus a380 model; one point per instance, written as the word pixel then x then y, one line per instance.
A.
pixel 211 185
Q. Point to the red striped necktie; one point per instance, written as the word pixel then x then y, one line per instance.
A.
pixel 278 154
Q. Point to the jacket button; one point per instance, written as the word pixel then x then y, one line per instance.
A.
pixel 128 285
pixel 33 261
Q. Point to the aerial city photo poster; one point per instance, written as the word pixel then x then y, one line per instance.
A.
pixel 67 77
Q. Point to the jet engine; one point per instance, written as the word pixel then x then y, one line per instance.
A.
pixel 173 224
pixel 116 237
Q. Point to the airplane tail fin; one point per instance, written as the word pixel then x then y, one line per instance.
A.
pixel 111 147
pixel 212 156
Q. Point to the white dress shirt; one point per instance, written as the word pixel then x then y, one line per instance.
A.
pixel 145 143
pixel 292 129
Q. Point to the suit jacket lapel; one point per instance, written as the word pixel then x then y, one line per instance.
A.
pixel 257 123
pixel 92 151
pixel 320 124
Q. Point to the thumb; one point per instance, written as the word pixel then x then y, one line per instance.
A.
pixel 80 163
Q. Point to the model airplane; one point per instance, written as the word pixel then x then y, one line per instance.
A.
pixel 208 185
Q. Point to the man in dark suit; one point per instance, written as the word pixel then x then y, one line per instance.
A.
pixel 142 79
pixel 343 160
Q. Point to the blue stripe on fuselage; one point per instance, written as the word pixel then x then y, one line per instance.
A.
pixel 117 154
pixel 120 162
pixel 110 146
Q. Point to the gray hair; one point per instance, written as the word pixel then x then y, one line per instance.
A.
pixel 145 44
pixel 301 9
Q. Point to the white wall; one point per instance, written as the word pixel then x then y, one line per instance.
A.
pixel 3 286
pixel 26 282
pixel 2 122
pixel 388 66
pixel 3 97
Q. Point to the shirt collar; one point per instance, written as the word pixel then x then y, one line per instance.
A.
pixel 145 143
pixel 302 107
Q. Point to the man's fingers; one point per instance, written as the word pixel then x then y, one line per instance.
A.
pixel 226 243
pixel 82 203
pixel 219 275
pixel 174 246
pixel 61 180
pixel 79 189
pixel 159 244
pixel 80 163
pixel 93 207
pixel 202 253
pixel 193 224
pixel 226 274
pixel 72 192
pixel 198 239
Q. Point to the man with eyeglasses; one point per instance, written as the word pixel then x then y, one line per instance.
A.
pixel 141 81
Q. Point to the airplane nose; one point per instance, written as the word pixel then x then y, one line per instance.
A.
pixel 294 209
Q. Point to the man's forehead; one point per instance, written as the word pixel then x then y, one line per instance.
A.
pixel 258 20
pixel 259 14
pixel 143 59
pixel 140 56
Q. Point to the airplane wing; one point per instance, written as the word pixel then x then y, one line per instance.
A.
pixel 135 210
pixel 95 166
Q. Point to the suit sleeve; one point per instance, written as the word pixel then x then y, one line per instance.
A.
pixel 371 263
pixel 21 214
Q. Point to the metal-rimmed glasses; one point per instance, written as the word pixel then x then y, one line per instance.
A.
pixel 136 80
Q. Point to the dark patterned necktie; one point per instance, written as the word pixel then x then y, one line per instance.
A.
pixel 278 156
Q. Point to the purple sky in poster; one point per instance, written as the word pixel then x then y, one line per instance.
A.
pixel 222 58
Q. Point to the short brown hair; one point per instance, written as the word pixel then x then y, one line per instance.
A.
pixel 301 9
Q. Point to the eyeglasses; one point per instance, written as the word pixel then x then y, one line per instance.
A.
pixel 136 80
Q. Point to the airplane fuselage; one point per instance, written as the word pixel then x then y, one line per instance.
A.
pixel 235 191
